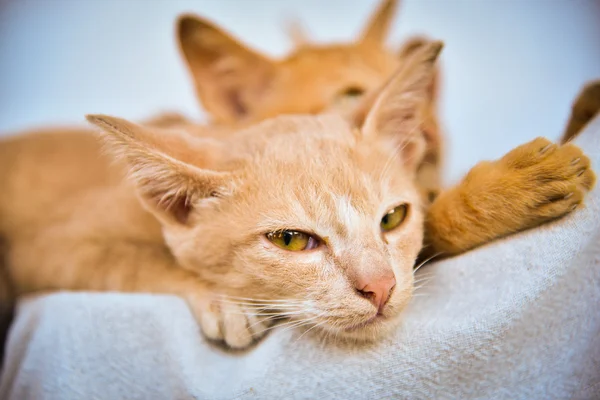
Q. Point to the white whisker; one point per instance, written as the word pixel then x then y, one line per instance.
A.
pixel 422 286
pixel 258 305
pixel 262 299
pixel 296 324
pixel 310 329
pixel 421 280
pixel 260 321
pixel 426 261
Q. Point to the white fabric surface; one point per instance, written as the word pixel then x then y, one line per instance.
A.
pixel 516 319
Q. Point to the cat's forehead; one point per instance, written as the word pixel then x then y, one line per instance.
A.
pixel 289 135
pixel 321 154
pixel 338 53
pixel 340 58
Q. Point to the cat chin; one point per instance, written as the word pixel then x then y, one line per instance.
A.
pixel 369 331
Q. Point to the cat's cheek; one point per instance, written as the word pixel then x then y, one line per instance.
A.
pixel 276 272
pixel 405 249
pixel 295 267
pixel 208 256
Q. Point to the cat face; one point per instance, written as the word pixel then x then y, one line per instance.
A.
pixel 237 84
pixel 333 188
pixel 317 215
pixel 346 214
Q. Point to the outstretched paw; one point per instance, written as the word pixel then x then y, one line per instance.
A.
pixel 532 184
pixel 236 325
pixel 554 179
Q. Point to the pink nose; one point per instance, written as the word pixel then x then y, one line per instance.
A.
pixel 376 289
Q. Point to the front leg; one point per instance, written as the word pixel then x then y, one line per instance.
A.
pixel 534 183
pixel 58 260
pixel 238 324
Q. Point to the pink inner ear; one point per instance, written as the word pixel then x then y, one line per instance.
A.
pixel 180 209
pixel 413 153
pixel 234 98
pixel 177 205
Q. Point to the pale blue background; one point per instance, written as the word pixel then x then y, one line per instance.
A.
pixel 511 67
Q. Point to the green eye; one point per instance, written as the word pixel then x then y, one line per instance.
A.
pixel 394 218
pixel 293 240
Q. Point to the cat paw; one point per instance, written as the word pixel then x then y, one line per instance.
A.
pixel 532 184
pixel 553 179
pixel 235 325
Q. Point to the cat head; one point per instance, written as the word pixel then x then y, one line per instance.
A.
pixel 317 215
pixel 238 84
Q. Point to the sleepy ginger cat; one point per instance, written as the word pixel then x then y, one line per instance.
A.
pixel 317 218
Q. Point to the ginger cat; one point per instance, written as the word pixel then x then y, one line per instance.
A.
pixel 275 219
pixel 236 84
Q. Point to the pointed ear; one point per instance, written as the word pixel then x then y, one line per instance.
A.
pixel 378 26
pixel 407 49
pixel 229 77
pixel 168 188
pixel 296 33
pixel 396 112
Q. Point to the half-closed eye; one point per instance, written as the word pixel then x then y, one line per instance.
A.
pixel 293 240
pixel 348 96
